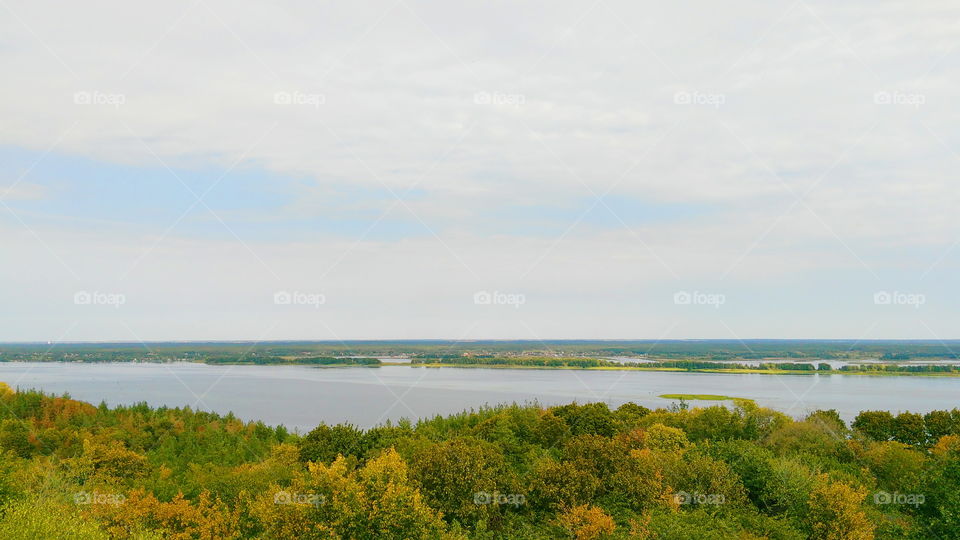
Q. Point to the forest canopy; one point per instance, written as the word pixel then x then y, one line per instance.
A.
pixel 69 469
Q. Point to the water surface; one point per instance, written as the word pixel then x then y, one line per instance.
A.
pixel 300 397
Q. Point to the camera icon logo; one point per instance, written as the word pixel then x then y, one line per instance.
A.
pixel 682 298
pixel 82 497
pixel 282 298
pixel 882 298
pixel 483 298
pixel 282 98
pixel 682 497
pixel 82 98
pixel 82 298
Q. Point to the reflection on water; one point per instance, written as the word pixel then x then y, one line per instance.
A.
pixel 301 396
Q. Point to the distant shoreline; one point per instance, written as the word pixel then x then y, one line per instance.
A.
pixel 369 363
pixel 734 371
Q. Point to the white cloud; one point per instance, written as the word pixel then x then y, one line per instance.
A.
pixel 22 191
pixel 597 111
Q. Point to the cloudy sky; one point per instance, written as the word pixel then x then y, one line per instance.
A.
pixel 408 169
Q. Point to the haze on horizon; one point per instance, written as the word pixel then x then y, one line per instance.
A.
pixel 211 170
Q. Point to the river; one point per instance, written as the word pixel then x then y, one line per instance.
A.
pixel 300 397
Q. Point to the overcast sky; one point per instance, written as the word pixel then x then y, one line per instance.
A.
pixel 602 169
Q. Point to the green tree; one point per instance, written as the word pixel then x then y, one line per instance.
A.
pixel 938 424
pixel 829 420
pixel 628 416
pixel 896 466
pixel 588 419
pixel 42 518
pixel 877 425
pixel 666 439
pixel 909 428
pixel 461 477
pixel 15 437
pixel 940 512
pixel 325 443
pixel 598 455
pixel 557 484
pixel 550 430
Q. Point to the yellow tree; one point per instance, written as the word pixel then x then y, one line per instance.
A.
pixel 397 509
pixel 836 512
pixel 587 522
pixel 336 500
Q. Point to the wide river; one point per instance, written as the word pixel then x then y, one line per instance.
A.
pixel 300 397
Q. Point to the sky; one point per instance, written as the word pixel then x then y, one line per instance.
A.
pixel 209 170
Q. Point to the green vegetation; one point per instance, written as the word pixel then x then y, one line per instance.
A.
pixel 296 360
pixel 809 351
pixel 690 365
pixel 766 368
pixel 598 363
pixel 898 369
pixel 72 470
pixel 510 361
pixel 782 357
pixel 705 397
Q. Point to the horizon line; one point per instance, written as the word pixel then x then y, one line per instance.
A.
pixel 480 340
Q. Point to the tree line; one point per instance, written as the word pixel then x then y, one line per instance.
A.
pixel 69 469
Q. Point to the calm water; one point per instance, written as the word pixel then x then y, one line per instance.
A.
pixel 301 397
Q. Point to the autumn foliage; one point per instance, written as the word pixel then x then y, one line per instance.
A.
pixel 72 470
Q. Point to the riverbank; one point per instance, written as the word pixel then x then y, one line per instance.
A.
pixel 737 371
pixel 888 370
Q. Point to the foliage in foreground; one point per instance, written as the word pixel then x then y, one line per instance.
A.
pixel 72 470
